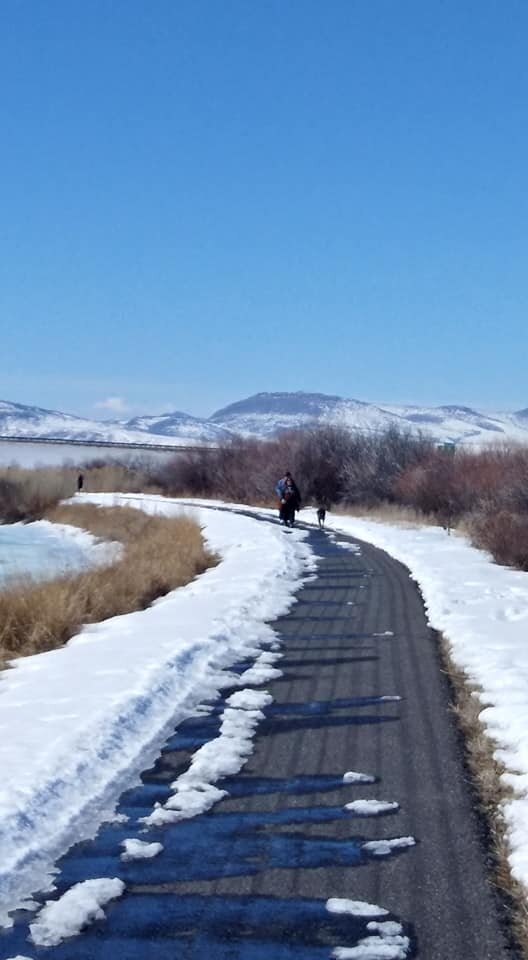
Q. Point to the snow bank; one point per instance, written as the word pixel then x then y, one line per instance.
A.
pixel 223 756
pixel 482 610
pixel 79 724
pixel 79 906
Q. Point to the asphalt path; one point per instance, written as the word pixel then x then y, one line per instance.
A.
pixel 249 880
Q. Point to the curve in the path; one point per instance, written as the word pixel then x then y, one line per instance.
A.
pixel 361 691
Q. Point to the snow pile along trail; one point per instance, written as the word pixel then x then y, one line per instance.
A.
pixel 482 610
pixel 81 722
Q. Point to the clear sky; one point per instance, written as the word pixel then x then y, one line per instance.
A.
pixel 202 199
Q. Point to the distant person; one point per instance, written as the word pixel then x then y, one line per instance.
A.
pixel 290 499
pixel 80 483
pixel 321 516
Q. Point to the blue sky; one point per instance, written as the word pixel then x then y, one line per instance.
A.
pixel 202 199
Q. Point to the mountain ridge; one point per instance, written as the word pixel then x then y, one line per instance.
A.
pixel 265 414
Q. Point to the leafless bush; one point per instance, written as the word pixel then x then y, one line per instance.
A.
pixel 375 462
pixel 503 534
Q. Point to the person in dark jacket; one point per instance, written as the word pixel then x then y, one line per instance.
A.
pixel 289 497
pixel 80 483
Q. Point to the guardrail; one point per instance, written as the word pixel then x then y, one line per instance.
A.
pixel 171 448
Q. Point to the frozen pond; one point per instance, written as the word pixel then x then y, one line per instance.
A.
pixel 31 453
pixel 44 550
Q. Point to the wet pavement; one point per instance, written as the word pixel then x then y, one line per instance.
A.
pixel 249 879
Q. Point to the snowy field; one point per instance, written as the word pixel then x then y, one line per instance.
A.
pixel 79 724
pixel 43 550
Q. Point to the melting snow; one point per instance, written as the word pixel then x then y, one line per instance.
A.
pixel 357 908
pixel 140 850
pixel 78 907
pixel 371 808
pixel 353 777
pixel 225 755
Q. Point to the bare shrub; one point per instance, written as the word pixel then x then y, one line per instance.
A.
pixel 504 534
pixel 375 462
pixel 160 553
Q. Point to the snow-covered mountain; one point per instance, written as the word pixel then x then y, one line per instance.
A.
pixel 177 426
pixel 19 420
pixel 264 415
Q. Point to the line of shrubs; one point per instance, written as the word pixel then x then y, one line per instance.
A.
pixel 484 490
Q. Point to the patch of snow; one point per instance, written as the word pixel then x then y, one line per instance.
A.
pixel 388 928
pixel 382 848
pixel 140 850
pixel 352 777
pixel 78 907
pixel 375 948
pixel 371 808
pixel 356 908
pixel 262 670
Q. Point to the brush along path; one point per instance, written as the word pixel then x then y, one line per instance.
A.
pixel 250 878
pixel 159 554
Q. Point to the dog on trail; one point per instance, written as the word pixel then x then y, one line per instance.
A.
pixel 321 516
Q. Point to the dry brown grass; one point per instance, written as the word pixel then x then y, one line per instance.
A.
pixel 160 554
pixel 491 791
pixel 27 494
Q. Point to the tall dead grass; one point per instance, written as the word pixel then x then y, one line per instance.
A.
pixel 160 554
pixel 26 494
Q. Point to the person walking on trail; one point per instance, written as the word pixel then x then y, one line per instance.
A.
pixel 80 483
pixel 289 497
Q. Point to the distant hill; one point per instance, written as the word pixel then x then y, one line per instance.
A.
pixel 19 420
pixel 266 414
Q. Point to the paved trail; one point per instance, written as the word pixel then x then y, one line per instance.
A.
pixel 250 879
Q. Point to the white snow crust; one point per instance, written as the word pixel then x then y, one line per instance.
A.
pixel 140 849
pixel 79 724
pixel 79 906
pixel 371 808
pixel 352 777
pixel 194 791
pixel 382 848
pixel 356 908
pixel 387 942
